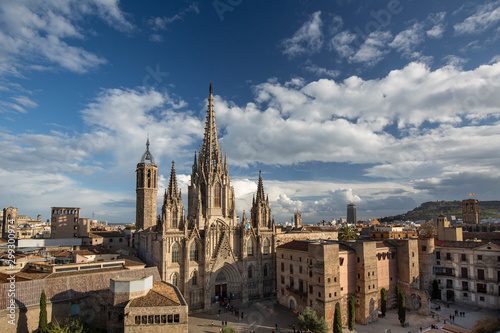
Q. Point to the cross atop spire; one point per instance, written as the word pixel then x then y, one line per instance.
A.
pixel 147 155
pixel 210 148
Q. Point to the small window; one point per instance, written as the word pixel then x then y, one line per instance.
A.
pixel 359 288
pixel 176 318
pixel 335 294
pixel 319 294
pixel 330 295
pixel 310 289
pixel 329 280
pixel 479 257
pixel 157 319
pixel 170 318
pixel 413 254
pixel 144 320
pixel 448 256
pixel 150 319
pixel 424 248
pixel 282 266
pixel 282 255
pixel 282 279
pixel 300 269
pixel 466 295
pixel 481 298
pixel 334 279
pixel 291 257
pixel 300 259
pixel 163 319
pixel 358 259
pixel 137 320
pixel 74 310
pixel 291 269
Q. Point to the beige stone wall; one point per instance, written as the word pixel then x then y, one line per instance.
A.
pixel 132 312
pixel 285 237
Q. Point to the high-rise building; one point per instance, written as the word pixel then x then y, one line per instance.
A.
pixel 351 213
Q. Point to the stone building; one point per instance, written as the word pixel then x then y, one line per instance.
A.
pixel 467 272
pixel 322 274
pixel 108 295
pixel 470 211
pixel 206 254
pixel 67 223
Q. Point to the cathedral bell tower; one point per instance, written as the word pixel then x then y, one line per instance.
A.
pixel 146 184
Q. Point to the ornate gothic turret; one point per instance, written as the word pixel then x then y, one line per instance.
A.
pixel 172 210
pixel 146 178
pixel 261 213
pixel 210 195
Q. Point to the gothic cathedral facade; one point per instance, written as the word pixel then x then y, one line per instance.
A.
pixel 207 254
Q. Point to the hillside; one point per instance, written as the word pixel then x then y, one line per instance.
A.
pixel 430 209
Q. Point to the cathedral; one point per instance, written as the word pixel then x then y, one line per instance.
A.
pixel 207 254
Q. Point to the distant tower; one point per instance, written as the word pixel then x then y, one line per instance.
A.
pixel 146 176
pixel 298 220
pixel 351 213
pixel 9 214
pixel 470 211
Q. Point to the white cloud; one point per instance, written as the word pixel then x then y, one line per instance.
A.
pixel 373 49
pixel 321 71
pixel 406 41
pixel 307 40
pixel 341 43
pixel 161 23
pixel 33 32
pixel 485 16
pixel 436 31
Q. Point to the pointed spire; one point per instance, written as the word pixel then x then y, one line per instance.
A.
pixel 172 186
pixel 243 218
pixel 260 189
pixel 210 148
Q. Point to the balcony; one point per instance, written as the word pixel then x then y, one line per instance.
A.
pixel 444 271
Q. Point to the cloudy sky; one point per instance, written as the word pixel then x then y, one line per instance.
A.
pixel 386 105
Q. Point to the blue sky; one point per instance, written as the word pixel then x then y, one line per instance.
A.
pixel 386 104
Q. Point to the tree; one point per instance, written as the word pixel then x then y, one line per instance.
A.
pixel 308 320
pixel 337 322
pixel 347 234
pixel 229 329
pixel 352 313
pixel 383 301
pixel 486 325
pixel 436 293
pixel 428 229
pixel 43 326
pixel 401 307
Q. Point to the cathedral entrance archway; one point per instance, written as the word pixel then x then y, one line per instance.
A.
pixel 226 283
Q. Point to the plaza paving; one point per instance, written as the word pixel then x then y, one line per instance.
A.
pixel 262 317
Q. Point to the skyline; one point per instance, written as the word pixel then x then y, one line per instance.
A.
pixel 385 105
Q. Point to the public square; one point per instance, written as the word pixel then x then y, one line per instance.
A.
pixel 263 316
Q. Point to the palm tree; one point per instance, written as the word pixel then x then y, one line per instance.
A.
pixel 347 233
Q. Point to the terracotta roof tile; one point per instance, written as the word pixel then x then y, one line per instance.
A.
pixel 161 294
pixel 295 245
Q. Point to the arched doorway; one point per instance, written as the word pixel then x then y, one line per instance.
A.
pixel 226 283
pixel 292 304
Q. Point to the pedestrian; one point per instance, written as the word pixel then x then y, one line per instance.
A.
pixel 212 323
pixel 223 323
pixel 420 328
pixel 276 326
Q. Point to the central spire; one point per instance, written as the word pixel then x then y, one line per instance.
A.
pixel 210 149
pixel 172 186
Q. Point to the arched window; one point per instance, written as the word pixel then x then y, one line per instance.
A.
pixel 250 248
pixel 250 272
pixel 265 270
pixel 194 281
pixel 175 253
pixel 217 195
pixel 193 252
pixel 266 246
pixel 174 279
